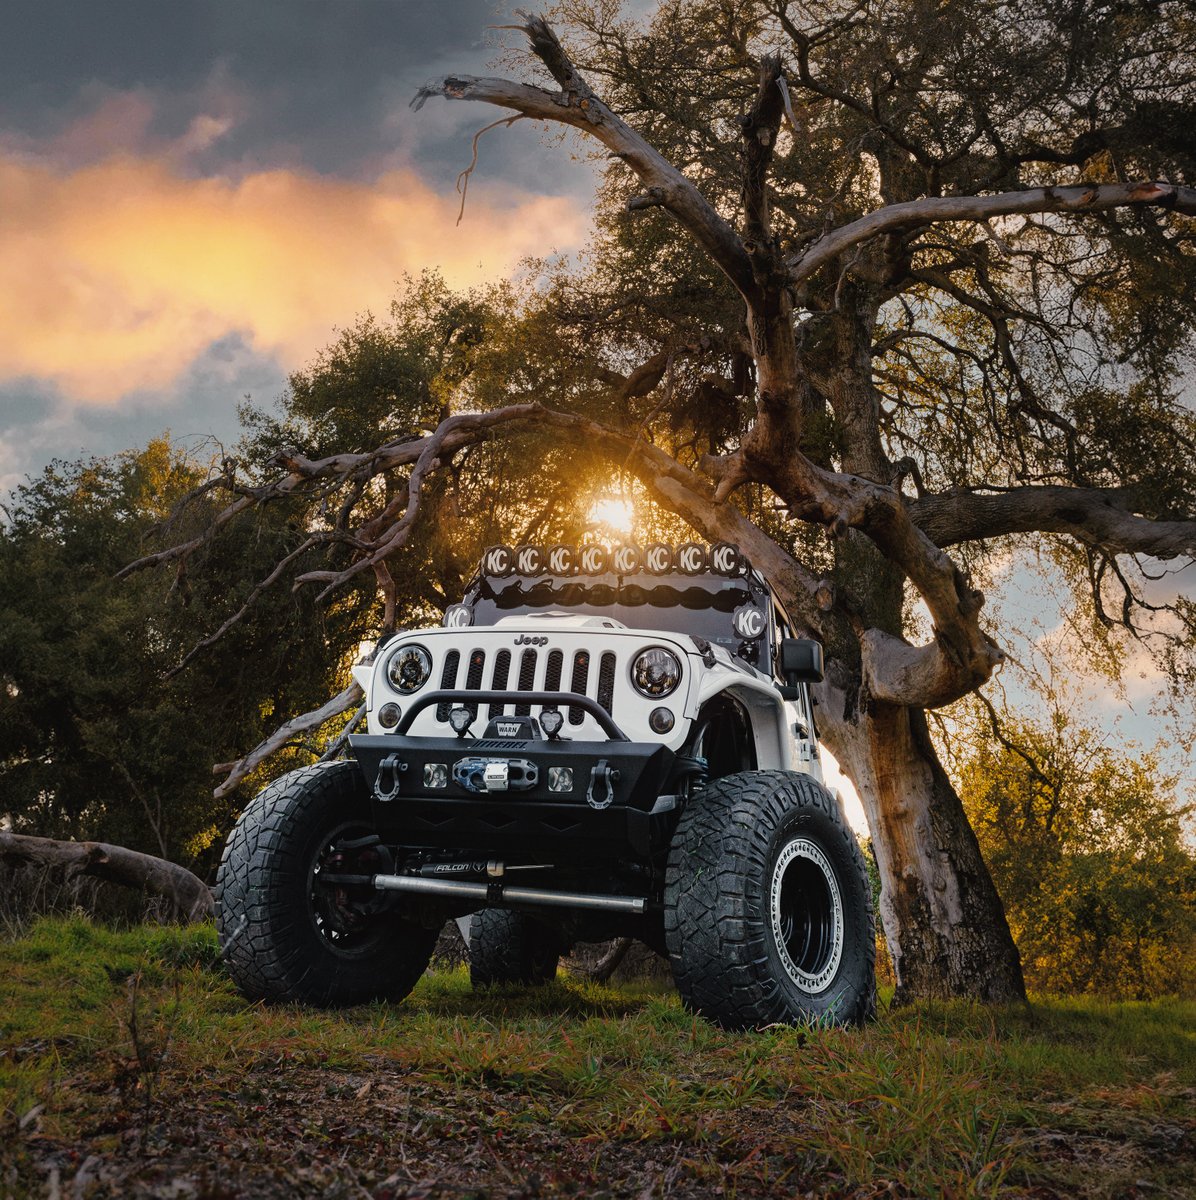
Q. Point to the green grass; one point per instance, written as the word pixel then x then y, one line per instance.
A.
pixel 131 1051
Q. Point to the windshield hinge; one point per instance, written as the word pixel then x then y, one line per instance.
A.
pixel 704 649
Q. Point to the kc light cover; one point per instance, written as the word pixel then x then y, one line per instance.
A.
pixel 529 560
pixel 691 558
pixel 498 561
pixel 595 560
pixel 627 559
pixel 725 559
pixel 658 559
pixel 563 562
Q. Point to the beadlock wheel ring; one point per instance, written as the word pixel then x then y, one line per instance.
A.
pixel 806 913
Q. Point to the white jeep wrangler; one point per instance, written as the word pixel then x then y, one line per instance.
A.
pixel 595 744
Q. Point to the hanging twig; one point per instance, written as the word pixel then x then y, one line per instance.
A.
pixel 463 178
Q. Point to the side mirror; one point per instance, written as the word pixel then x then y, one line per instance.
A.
pixel 801 662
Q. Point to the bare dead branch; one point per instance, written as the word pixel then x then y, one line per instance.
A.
pixel 339 742
pixel 651 198
pixel 1079 199
pixel 301 724
pixel 261 587
pixel 787 101
pixel 1096 516
pixel 760 125
pixel 185 549
pixel 610 962
pixel 432 453
pixel 576 105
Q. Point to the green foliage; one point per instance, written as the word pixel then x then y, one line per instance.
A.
pixel 1088 850
pixel 593 1089
pixel 1055 351
pixel 378 379
pixel 96 740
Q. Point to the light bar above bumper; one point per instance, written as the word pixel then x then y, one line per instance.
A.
pixel 544 699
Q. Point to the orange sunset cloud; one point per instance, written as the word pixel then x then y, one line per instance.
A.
pixel 114 277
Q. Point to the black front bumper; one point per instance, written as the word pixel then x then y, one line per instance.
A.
pixel 623 779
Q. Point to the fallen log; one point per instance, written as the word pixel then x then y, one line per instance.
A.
pixel 190 896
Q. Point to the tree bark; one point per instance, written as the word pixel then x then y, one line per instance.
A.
pixel 943 920
pixel 190 896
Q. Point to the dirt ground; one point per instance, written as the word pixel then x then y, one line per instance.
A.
pixel 299 1131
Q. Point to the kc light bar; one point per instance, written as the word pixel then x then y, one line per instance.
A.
pixel 689 558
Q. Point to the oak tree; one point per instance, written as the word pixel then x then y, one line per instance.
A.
pixel 1087 845
pixel 877 286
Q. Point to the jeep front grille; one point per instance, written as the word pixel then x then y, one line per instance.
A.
pixel 606 682
pixel 498 682
pixel 581 675
pixel 527 679
pixel 552 673
pixel 534 671
pixel 473 680
pixel 448 679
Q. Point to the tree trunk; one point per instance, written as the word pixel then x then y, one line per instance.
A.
pixel 942 917
pixel 191 897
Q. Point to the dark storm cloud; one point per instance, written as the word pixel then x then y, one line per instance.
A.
pixel 322 85
pixel 38 423
pixel 197 193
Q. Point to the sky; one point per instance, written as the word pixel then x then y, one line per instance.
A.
pixel 194 195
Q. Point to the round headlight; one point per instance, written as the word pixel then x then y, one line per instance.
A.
pixel 656 672
pixel 408 669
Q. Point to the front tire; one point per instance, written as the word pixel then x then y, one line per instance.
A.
pixel 511 947
pixel 286 936
pixel 768 910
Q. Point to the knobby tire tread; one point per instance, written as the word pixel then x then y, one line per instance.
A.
pixel 510 948
pixel 716 903
pixel 266 943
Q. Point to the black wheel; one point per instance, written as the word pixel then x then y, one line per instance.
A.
pixel 511 947
pixel 284 934
pixel 767 908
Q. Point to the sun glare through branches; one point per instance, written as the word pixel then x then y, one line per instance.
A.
pixel 612 515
